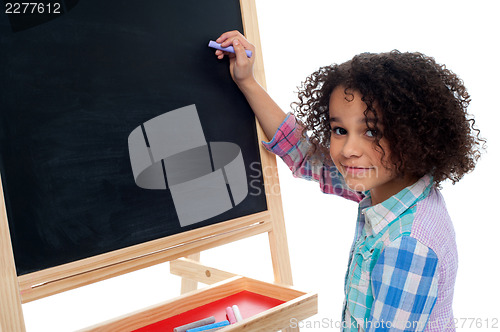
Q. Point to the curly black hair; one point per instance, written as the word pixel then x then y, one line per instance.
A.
pixel 423 106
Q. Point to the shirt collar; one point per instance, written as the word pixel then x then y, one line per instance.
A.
pixel 379 216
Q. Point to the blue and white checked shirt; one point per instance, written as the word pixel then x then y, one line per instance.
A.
pixel 403 262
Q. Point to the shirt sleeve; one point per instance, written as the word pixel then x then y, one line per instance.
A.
pixel 405 287
pixel 292 148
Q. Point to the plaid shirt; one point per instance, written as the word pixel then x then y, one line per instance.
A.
pixel 403 261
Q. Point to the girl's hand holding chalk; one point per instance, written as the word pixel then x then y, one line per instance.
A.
pixel 240 65
pixel 230 49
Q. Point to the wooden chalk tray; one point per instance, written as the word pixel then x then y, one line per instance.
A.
pixel 280 305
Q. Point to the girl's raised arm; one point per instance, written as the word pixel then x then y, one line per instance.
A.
pixel 269 114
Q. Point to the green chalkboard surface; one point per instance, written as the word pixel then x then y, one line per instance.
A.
pixel 74 84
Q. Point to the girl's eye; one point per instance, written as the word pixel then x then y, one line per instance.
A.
pixel 339 131
pixel 371 133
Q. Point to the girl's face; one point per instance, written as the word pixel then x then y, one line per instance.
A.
pixel 353 148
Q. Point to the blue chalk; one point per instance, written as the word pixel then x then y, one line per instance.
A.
pixel 230 49
pixel 209 326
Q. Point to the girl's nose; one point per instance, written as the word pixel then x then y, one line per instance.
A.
pixel 351 147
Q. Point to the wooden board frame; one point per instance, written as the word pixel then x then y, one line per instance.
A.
pixel 16 290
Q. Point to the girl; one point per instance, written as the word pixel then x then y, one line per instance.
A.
pixel 383 130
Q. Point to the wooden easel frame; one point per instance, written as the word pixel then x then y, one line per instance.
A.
pixel 16 290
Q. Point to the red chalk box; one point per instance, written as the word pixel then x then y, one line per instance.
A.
pixel 264 307
pixel 249 303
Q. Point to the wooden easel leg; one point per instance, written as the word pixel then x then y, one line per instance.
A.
pixel 11 312
pixel 188 285
pixel 281 260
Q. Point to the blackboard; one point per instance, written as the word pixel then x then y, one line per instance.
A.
pixel 73 86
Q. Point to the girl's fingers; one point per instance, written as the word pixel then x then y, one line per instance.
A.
pixel 220 57
pixel 241 39
pixel 227 38
pixel 220 54
pixel 227 35
pixel 241 56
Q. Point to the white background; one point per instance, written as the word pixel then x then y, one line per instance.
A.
pixel 297 38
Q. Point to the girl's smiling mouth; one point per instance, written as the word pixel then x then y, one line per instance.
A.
pixel 356 169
